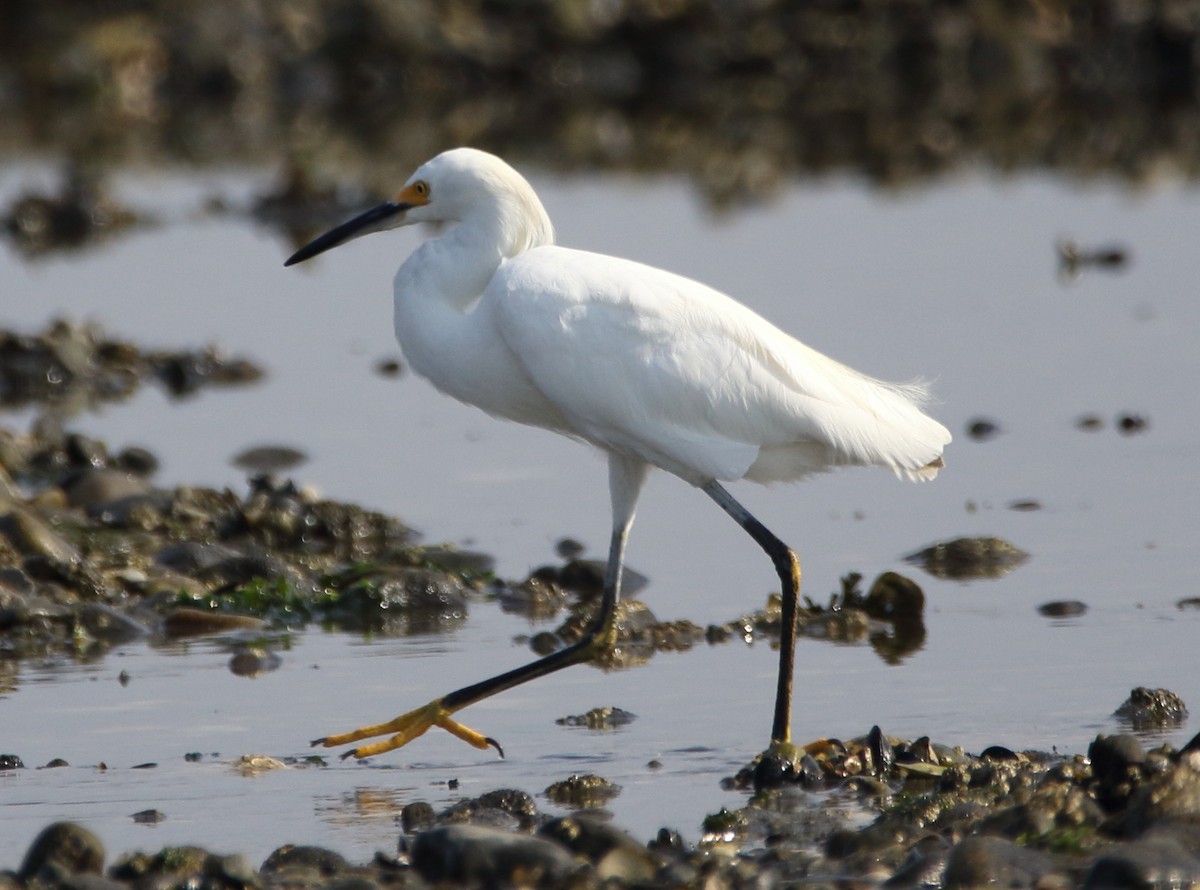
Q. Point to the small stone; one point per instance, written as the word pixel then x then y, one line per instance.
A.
pixel 253 661
pixel 1063 609
pixel 389 367
pixel 269 459
pixel 1152 709
pixel 568 548
pixel 614 853
pixel 1129 424
pixel 1155 860
pixel 149 817
pixel 62 850
pixel 316 860
pixel 253 764
pixel 583 791
pixel 1172 795
pixel 967 558
pixel 95 487
pixel 187 622
pixel 416 816
pixel 33 537
pixel 137 460
pixel 894 597
pixel 599 718
pixel 983 861
pixel 472 855
pixel 983 429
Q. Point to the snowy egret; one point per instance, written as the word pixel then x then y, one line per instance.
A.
pixel 655 369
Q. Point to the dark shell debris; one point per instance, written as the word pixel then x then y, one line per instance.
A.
pixel 872 811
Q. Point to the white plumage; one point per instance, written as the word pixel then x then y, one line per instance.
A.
pixel 628 357
pixel 654 368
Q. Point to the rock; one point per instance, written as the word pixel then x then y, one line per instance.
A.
pixel 256 764
pixel 1170 795
pixel 983 429
pixel 62 850
pixel 1158 860
pixel 1063 609
pixel 982 861
pixel 191 557
pixel 305 858
pixel 416 816
pixel 187 622
pixel 1152 709
pixel 137 460
pixel 967 558
pixel 1116 764
pixel 108 625
pixel 505 808
pixel 32 536
pixel 406 601
pixel 893 597
pixel 583 791
pixel 599 718
pixel 473 855
pixel 94 487
pixel 269 459
pixel 253 661
pixel 614 853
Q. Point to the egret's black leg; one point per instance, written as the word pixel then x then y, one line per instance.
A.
pixel 787 566
pixel 625 481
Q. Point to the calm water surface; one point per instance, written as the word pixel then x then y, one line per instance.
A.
pixel 955 283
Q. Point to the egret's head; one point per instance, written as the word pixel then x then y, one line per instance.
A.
pixel 457 185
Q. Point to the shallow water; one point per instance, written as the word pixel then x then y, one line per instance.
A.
pixel 955 282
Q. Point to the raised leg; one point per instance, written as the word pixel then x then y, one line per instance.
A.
pixel 787 566
pixel 625 479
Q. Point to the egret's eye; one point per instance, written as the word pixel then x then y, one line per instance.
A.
pixel 421 187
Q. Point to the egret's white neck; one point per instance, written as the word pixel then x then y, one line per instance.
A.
pixel 456 267
pixel 445 332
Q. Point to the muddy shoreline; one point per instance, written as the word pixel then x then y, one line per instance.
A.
pixel 96 556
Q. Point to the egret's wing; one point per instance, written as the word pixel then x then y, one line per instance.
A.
pixel 670 370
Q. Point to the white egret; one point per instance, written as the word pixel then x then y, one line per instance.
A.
pixel 654 369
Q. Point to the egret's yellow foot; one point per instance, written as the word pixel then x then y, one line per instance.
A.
pixel 404 729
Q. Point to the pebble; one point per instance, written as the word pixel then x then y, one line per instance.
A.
pixel 416 816
pixel 984 861
pixel 269 459
pixel 983 429
pixel 1152 709
pixel 894 597
pixel 95 487
pixel 253 661
pixel 599 718
pixel 1063 609
pixel 583 791
pixel 60 851
pixel 189 622
pixel 103 622
pixel 614 853
pixel 1171 795
pixel 477 856
pixel 1156 860
pixel 967 558
pixel 32 536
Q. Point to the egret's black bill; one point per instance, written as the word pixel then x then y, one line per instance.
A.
pixel 369 221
